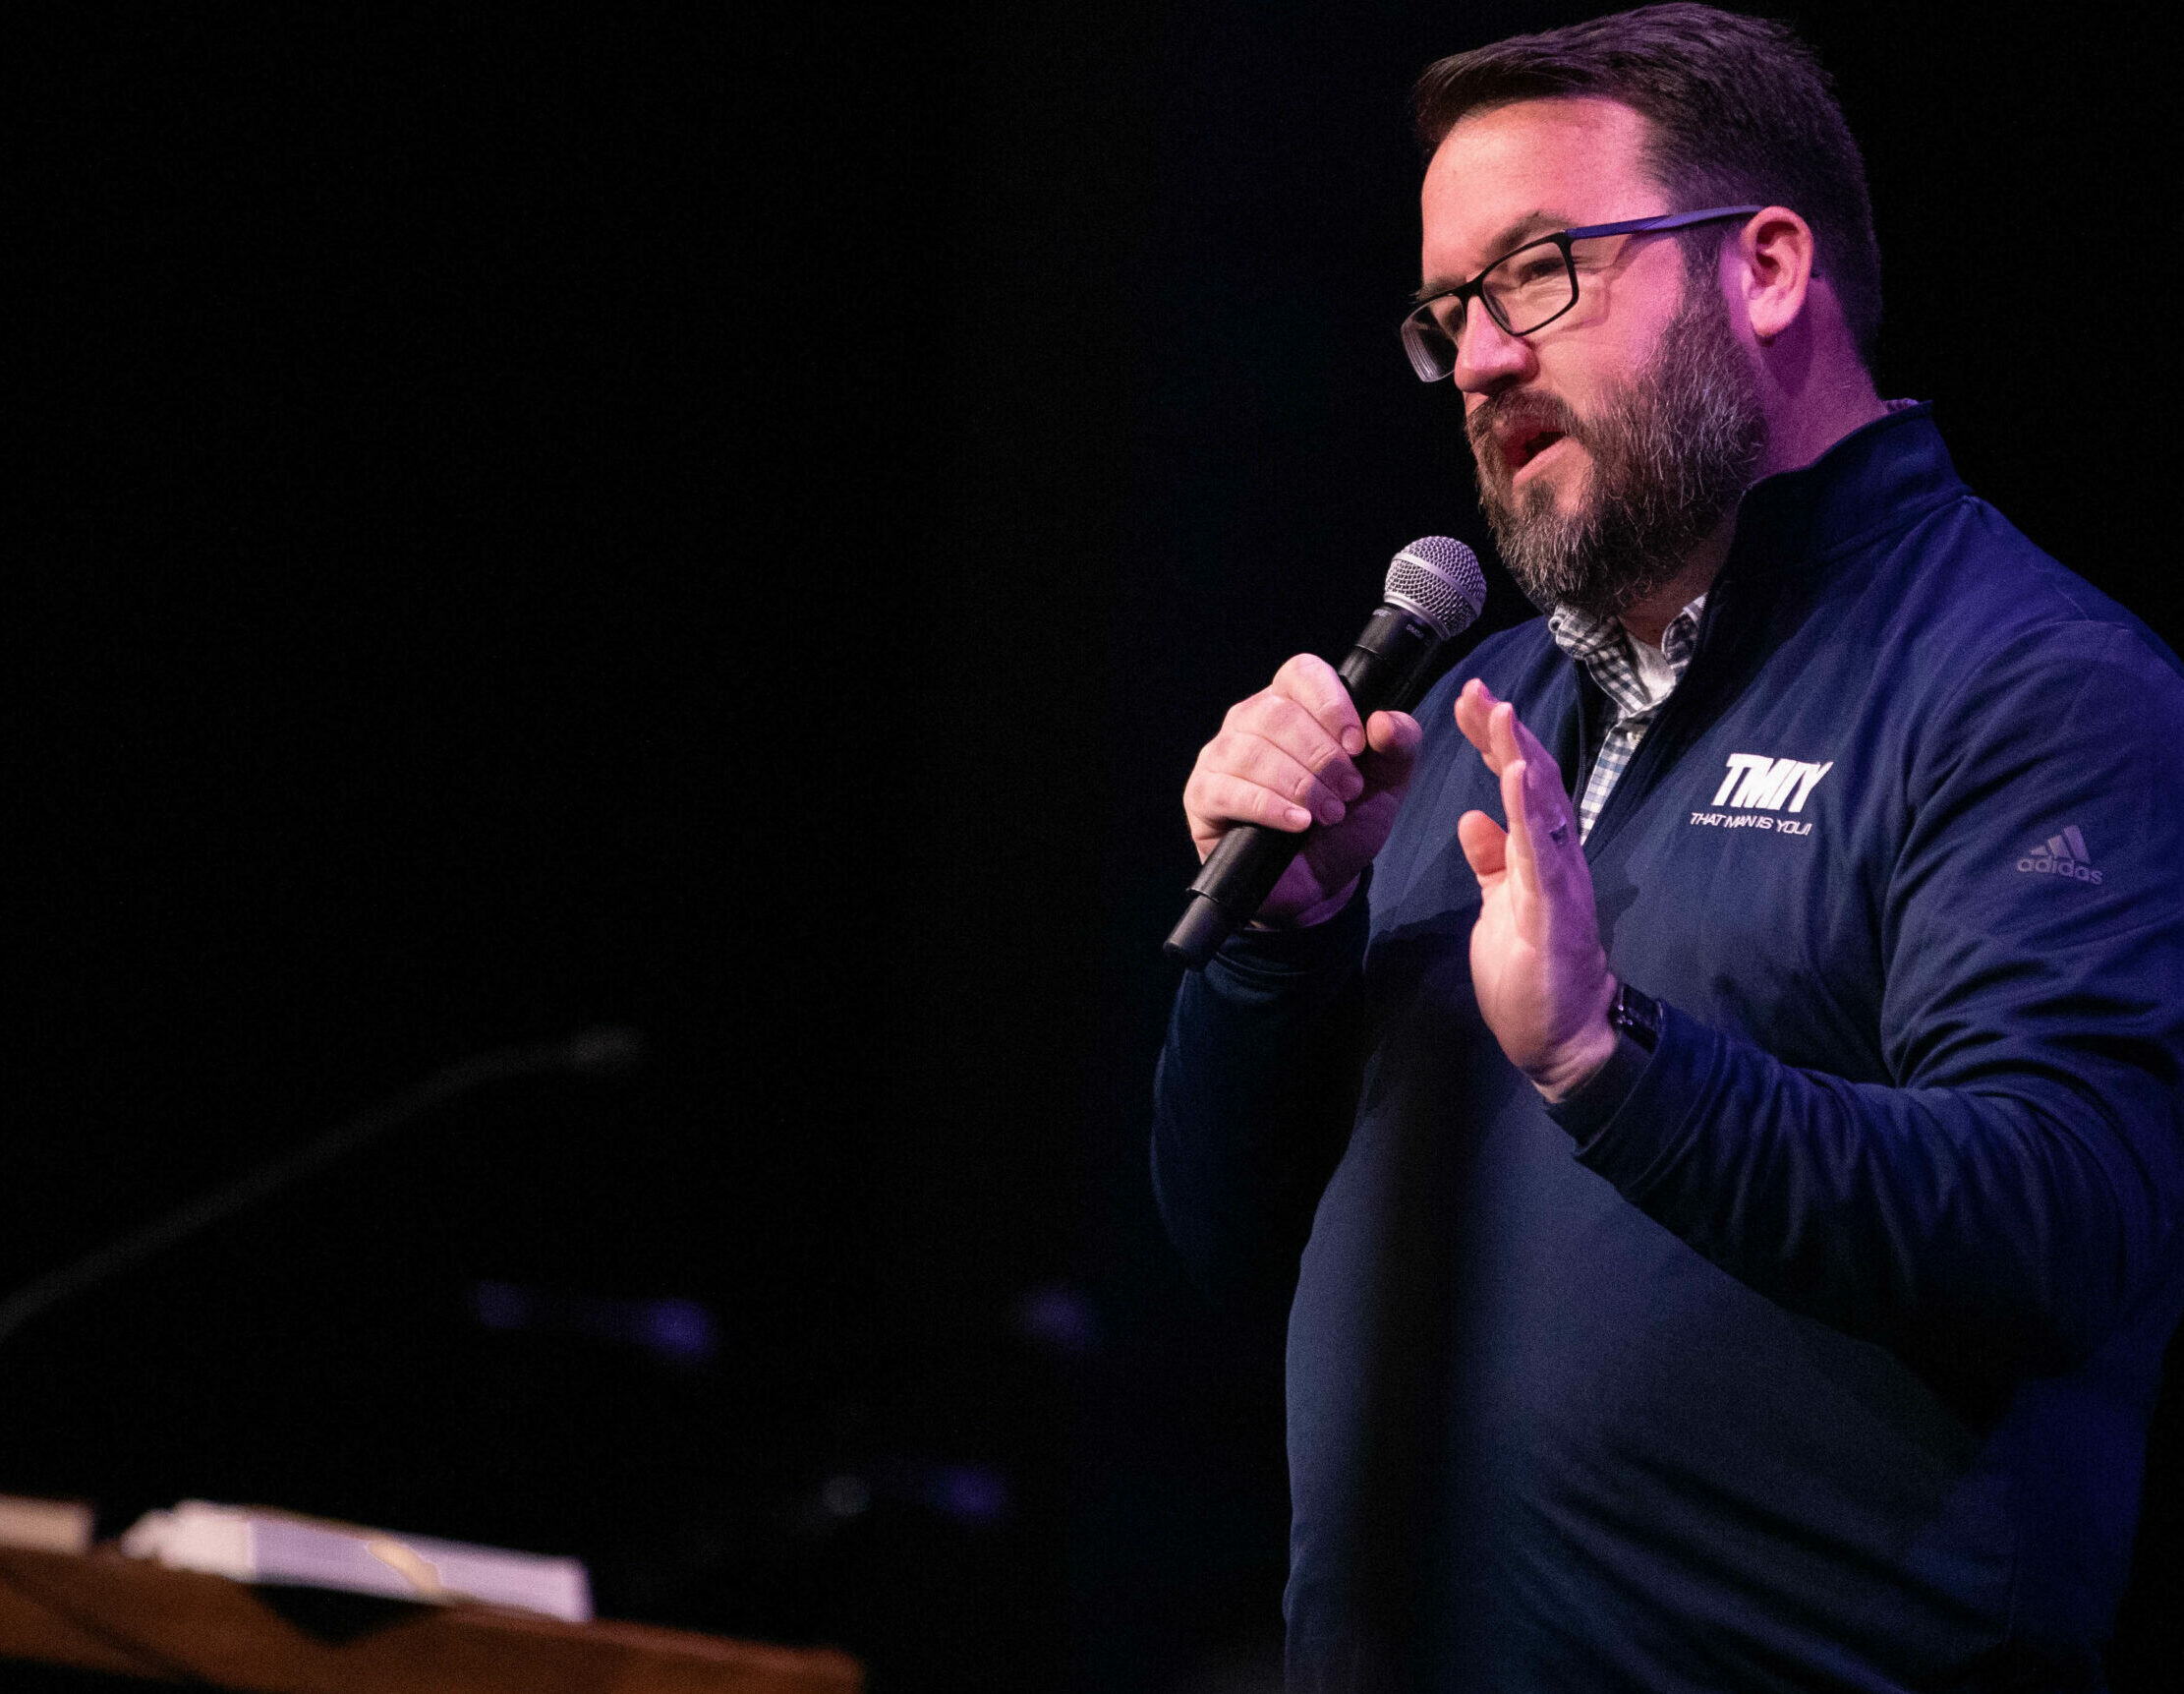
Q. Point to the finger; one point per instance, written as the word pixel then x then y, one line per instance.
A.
pixel 1470 712
pixel 1216 799
pixel 1501 732
pixel 1555 829
pixel 1534 751
pixel 1291 725
pixel 1258 760
pixel 1312 683
pixel 1393 732
pixel 1485 845
pixel 1554 863
pixel 1524 866
pixel 1393 742
pixel 1474 706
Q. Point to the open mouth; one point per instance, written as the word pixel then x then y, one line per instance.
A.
pixel 1521 449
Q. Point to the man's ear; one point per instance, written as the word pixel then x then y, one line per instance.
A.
pixel 1773 271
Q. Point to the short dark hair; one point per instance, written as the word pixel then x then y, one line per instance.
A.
pixel 1739 109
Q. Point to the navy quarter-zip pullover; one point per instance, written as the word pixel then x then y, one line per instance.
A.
pixel 1815 1349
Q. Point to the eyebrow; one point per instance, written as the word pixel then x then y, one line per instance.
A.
pixel 1511 236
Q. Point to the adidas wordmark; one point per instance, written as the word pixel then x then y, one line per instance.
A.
pixel 2061 855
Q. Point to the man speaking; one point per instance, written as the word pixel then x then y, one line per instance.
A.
pixel 1720 1059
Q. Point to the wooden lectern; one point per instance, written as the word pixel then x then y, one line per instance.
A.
pixel 125 1617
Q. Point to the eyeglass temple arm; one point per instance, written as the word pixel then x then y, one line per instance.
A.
pixel 1667 220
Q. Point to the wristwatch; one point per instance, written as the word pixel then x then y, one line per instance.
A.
pixel 1636 1015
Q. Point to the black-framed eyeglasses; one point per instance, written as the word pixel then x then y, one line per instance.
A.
pixel 1525 289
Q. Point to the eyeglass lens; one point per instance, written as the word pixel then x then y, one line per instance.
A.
pixel 1524 291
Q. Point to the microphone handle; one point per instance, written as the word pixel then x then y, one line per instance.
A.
pixel 1385 671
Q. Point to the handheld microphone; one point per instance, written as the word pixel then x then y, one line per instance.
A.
pixel 1434 591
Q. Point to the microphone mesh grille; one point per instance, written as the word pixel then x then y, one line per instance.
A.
pixel 1438 577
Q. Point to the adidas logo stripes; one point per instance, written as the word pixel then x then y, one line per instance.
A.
pixel 2061 855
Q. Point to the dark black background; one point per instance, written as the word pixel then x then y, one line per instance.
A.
pixel 738 530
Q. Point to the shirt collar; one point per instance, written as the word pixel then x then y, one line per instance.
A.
pixel 1603 647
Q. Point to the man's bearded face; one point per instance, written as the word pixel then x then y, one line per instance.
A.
pixel 1672 450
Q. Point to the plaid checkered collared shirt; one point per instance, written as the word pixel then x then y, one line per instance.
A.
pixel 1605 649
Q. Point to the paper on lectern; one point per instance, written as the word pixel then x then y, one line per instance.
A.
pixel 252 1544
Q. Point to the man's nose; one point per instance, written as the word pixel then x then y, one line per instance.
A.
pixel 1487 356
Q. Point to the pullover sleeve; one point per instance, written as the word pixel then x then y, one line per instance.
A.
pixel 1252 1098
pixel 2017 1192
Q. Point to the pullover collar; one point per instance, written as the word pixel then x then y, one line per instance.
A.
pixel 1795 530
pixel 1883 475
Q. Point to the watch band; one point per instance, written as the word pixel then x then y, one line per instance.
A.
pixel 1636 1014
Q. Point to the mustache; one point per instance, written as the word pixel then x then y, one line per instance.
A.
pixel 1519 409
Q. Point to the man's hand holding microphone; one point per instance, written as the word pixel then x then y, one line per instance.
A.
pixel 1311 771
pixel 1295 754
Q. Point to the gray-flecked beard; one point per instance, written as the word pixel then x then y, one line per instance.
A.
pixel 1671 454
